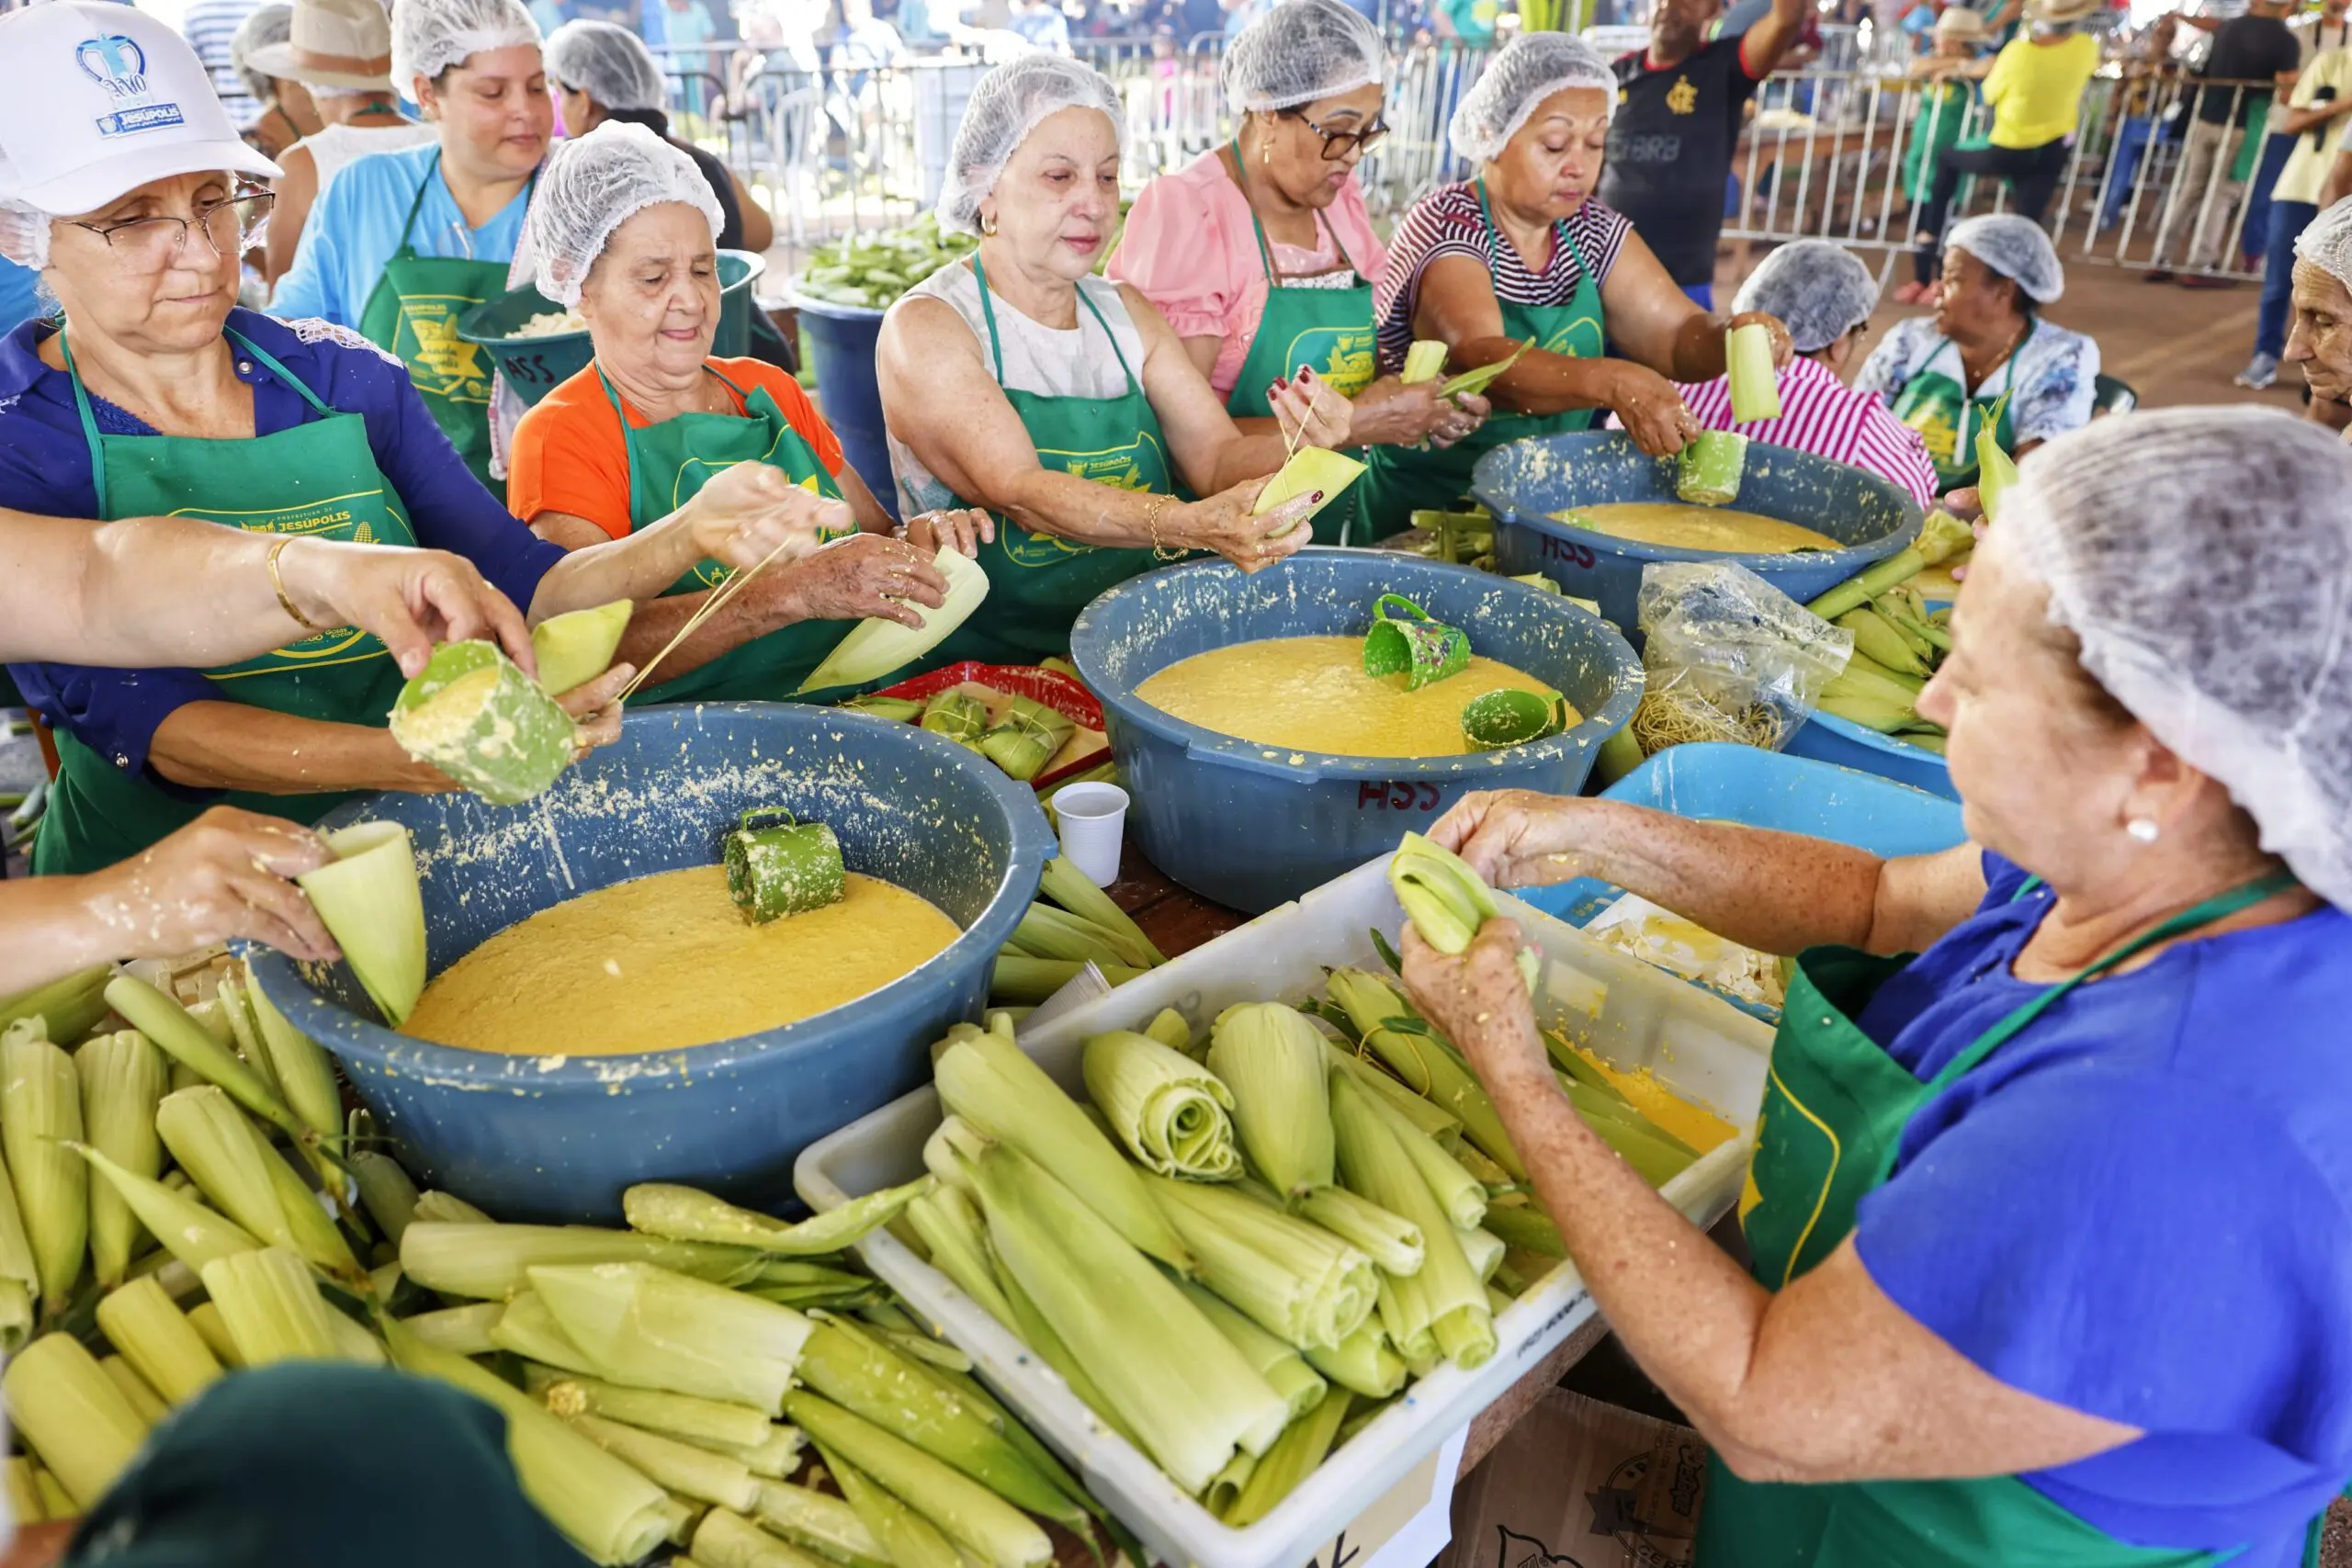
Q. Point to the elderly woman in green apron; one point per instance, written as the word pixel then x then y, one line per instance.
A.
pixel 2047 1255
pixel 404 244
pixel 1986 359
pixel 623 230
pixel 1522 253
pixel 151 393
pixel 1021 382
pixel 1261 254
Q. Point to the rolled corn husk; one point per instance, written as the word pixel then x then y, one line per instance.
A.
pixel 61 1402
pixel 123 1078
pixel 1270 1059
pixel 40 1115
pixel 211 1140
pixel 1375 1165
pixel 642 1324
pixel 141 1321
pixel 1747 359
pixel 681 1468
pixel 270 1305
pixel 1173 1115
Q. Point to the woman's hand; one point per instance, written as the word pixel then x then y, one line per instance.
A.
pixel 1479 1001
pixel 751 511
pixel 227 874
pixel 963 531
pixel 409 599
pixel 1784 347
pixel 1223 523
pixel 1651 410
pixel 595 707
pixel 865 574
pixel 1390 413
pixel 1515 837
pixel 1309 413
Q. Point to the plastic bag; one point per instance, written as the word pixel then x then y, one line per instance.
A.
pixel 1729 657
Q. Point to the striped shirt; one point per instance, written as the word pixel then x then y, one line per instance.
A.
pixel 1821 414
pixel 1448 222
pixel 209 25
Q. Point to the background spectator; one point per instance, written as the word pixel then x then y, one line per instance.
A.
pixel 2256 47
pixel 210 27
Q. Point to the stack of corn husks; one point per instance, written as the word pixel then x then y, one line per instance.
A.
pixel 1075 923
pixel 1898 641
pixel 696 1379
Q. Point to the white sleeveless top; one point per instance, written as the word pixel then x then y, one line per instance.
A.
pixel 1074 362
pixel 336 145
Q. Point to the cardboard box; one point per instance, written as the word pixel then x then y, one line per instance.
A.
pixel 1581 1484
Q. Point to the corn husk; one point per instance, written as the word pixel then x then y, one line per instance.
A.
pixel 1172 1113
pixel 650 1327
pixel 1365 1364
pixel 142 1322
pixel 305 1075
pixel 40 1116
pixel 1446 900
pixel 385 1191
pixel 1294 1458
pixel 966 1512
pixel 908 1540
pixel 874 647
pixel 24 1493
pixel 950 1230
pixel 727 1539
pixel 20 1275
pixel 683 1519
pixel 1281 1364
pixel 773 1457
pixel 244 1034
pixel 212 1141
pixel 1225 1490
pixel 461 1330
pixel 188 1043
pixel 145 1401
pixel 958 715
pixel 1375 1165
pixel 1061 881
pixel 367 898
pixel 490 1262
pixel 574 649
pixel 822 1523
pixel 1291 1279
pixel 682 1467
pixel 1019 980
pixel 1747 358
pixel 1270 1058
pixel 528 1329
pixel 1459 1193
pixel 1425 361
pixel 123 1077
pixel 1483 1250
pixel 1708 470
pixel 69 1007
pixel 1391 1241
pixel 1441 1126
pixel 706 1421
pixel 1477 380
pixel 472 714
pixel 270 1306
pixel 448 1209
pixel 683 1214
pixel 1309 470
pixel 1524 1228
pixel 1398 1036
pixel 61 1402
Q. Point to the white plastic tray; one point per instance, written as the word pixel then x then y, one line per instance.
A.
pixel 1631 1015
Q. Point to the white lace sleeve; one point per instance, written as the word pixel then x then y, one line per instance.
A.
pixel 312 329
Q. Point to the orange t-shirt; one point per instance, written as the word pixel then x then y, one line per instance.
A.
pixel 568 454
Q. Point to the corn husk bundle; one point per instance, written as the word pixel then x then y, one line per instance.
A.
pixel 1073 923
pixel 1173 1115
pixel 472 714
pixel 1748 363
pixel 1027 738
pixel 1898 641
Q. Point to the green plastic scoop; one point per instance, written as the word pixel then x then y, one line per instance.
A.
pixel 1511 717
pixel 1405 641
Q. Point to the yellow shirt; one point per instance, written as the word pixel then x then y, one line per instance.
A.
pixel 2036 89
pixel 2304 175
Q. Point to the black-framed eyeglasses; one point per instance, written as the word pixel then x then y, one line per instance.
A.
pixel 1338 144
pixel 229 226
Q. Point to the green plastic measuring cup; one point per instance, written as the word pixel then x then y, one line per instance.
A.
pixel 1404 642
pixel 1511 717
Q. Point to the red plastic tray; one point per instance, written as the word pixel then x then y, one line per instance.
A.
pixel 1056 691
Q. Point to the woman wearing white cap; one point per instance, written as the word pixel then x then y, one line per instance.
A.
pixel 1261 254
pixel 156 395
pixel 342 52
pixel 1020 381
pixel 406 243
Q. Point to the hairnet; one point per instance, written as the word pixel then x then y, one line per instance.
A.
pixel 591 185
pixel 2326 243
pixel 1528 70
pixel 1005 108
pixel 606 61
pixel 430 35
pixel 1299 52
pixel 264 25
pixel 2015 248
pixel 1819 290
pixel 2228 630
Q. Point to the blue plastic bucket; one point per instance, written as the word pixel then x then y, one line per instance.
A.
pixel 534 1138
pixel 1523 483
pixel 841 341
pixel 1829 739
pixel 1252 826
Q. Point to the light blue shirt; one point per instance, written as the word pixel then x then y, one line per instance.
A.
pixel 355 227
pixel 19 294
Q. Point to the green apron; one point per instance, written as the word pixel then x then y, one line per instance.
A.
pixel 1038 583
pixel 668 464
pixel 1330 330
pixel 318 479
pixel 1405 480
pixel 1835 1108
pixel 1941 410
pixel 412 314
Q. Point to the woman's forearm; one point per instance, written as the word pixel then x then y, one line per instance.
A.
pixel 1699 350
pixel 47 929
pixel 1253 456
pixel 641 565
pixel 1047 501
pixel 1540 382
pixel 760 608
pixel 146 592
pixel 231 746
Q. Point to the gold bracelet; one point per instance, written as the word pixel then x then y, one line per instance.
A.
pixel 1161 504
pixel 286 600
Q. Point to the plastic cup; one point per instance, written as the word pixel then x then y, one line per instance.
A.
pixel 1093 818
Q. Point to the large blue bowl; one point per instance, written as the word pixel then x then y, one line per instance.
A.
pixel 1523 483
pixel 558 1139
pixel 1829 739
pixel 1253 826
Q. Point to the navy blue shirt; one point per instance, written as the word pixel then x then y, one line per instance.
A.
pixel 45 468
pixel 2140 1208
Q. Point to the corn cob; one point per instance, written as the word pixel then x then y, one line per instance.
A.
pixel 122 1079
pixel 40 1115
pixel 271 1307
pixel 61 1402
pixel 1291 1460
pixel 158 1341
pixel 1270 1059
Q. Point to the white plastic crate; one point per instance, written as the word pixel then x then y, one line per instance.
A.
pixel 1631 1015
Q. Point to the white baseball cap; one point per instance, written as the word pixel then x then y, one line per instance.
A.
pixel 97 101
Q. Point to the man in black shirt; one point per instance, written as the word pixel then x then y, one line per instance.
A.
pixel 2256 50
pixel 1680 107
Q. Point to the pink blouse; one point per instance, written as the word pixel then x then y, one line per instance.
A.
pixel 1192 249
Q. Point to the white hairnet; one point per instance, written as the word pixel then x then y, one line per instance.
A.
pixel 608 63
pixel 430 35
pixel 24 231
pixel 265 25
pixel 1005 108
pixel 2228 630
pixel 591 185
pixel 2015 248
pixel 1821 291
pixel 1299 52
pixel 1528 70
pixel 2326 243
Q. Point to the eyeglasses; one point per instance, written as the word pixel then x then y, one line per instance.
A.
pixel 151 244
pixel 1338 144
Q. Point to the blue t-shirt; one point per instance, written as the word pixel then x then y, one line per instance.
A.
pixel 357 227
pixel 19 294
pixel 45 468
pixel 2140 1208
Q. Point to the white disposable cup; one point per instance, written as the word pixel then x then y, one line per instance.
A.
pixel 1093 818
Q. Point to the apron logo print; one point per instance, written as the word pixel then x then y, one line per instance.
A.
pixel 441 351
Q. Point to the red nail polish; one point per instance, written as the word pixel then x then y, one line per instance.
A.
pixel 1319 495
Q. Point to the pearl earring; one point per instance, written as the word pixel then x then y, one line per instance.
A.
pixel 2142 830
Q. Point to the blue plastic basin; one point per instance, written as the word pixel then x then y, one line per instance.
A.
pixel 1523 483
pixel 841 341
pixel 557 1139
pixel 1252 826
pixel 1829 739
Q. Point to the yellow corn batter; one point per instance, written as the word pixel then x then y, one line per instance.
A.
pixel 1310 693
pixel 664 961
pixel 1683 527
